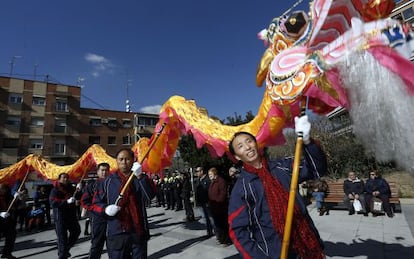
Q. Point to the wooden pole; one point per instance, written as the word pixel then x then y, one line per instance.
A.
pixel 292 194
pixel 131 177
pixel 18 190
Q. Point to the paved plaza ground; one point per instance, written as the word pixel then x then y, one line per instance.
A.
pixel 345 236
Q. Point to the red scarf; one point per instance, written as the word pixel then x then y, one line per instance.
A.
pixel 129 214
pixel 305 242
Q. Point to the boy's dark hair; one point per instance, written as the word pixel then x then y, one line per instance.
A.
pixel 231 149
pixel 60 175
pixel 104 164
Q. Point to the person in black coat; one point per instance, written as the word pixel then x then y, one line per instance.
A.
pixel 354 190
pixel 7 221
pixel 62 201
pixel 378 187
pixel 186 195
pixel 201 197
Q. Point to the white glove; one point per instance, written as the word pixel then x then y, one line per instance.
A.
pixel 4 214
pixel 71 200
pixel 303 125
pixel 136 169
pixel 112 210
pixel 16 195
pixel 79 186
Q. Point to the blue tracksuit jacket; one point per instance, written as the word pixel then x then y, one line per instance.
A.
pixel 108 192
pixel 251 227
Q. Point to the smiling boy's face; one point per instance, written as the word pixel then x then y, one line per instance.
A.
pixel 245 149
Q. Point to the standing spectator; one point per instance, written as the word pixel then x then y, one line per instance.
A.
pixel 127 225
pixel 167 192
pixel 178 187
pixel 354 190
pixel 97 219
pixel 64 214
pixel 379 188
pixel 171 191
pixel 41 197
pixel 186 195
pixel 159 185
pixel 233 174
pixel 22 208
pixel 201 197
pixel 7 221
pixel 218 203
pixel 259 200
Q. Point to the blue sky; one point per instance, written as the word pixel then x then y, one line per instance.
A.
pixel 202 50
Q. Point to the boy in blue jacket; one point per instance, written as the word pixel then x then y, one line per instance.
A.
pixel 258 202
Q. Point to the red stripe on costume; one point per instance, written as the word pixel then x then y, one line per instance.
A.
pixel 233 237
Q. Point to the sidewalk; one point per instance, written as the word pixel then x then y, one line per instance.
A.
pixel 345 236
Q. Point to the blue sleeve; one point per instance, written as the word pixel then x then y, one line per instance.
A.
pixel 314 164
pixel 384 187
pixel 55 200
pixel 86 199
pixel 239 225
pixel 99 199
pixel 147 187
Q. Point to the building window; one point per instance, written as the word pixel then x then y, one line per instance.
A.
pixel 15 98
pixel 143 121
pixel 126 123
pixel 111 140
pixel 60 125
pixel 61 105
pixel 13 121
pixel 95 121
pixel 39 101
pixel 408 13
pixel 94 140
pixel 10 143
pixel 112 123
pixel 60 147
pixel 126 140
pixel 38 122
pixel 36 143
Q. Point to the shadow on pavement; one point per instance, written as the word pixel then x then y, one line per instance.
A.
pixel 157 221
pixel 86 255
pixel 156 215
pixel 195 225
pixel 40 252
pixel 153 226
pixel 176 248
pixel 32 243
pixel 370 248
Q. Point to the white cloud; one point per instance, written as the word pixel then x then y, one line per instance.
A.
pixel 152 109
pixel 100 63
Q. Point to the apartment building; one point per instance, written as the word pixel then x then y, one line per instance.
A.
pixel 404 11
pixel 46 118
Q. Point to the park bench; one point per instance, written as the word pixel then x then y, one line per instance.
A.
pixel 335 196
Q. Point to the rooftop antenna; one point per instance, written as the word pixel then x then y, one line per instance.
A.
pixel 35 71
pixel 127 104
pixel 12 61
pixel 80 81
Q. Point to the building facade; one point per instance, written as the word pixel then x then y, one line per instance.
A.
pixel 404 11
pixel 46 119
